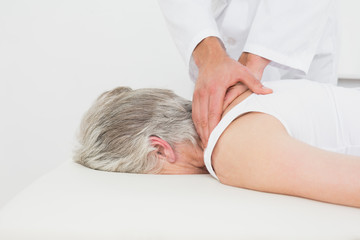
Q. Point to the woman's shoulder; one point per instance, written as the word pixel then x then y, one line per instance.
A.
pixel 242 139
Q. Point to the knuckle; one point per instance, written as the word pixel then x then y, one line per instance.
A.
pixel 200 123
pixel 212 90
pixel 255 84
pixel 213 115
pixel 203 124
pixel 202 93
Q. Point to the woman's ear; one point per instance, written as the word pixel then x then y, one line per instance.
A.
pixel 163 149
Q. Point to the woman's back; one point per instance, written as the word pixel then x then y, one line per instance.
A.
pixel 291 142
pixel 321 115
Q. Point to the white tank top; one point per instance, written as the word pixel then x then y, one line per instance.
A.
pixel 321 115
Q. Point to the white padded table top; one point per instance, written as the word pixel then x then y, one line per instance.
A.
pixel 73 202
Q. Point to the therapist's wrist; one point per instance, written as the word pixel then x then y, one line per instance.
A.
pixel 255 63
pixel 210 50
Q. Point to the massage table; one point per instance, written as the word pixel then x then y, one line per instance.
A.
pixel 74 202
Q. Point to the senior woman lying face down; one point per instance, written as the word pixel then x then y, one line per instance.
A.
pixel 301 140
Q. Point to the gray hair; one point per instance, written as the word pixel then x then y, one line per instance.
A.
pixel 114 133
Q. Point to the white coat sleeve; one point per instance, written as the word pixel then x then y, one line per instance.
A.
pixel 288 32
pixel 189 22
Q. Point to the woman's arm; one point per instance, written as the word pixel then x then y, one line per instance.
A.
pixel 256 152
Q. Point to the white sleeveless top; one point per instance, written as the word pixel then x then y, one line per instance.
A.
pixel 321 115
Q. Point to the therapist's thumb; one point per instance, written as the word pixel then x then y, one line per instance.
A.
pixel 253 83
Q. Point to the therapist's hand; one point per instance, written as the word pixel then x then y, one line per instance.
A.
pixel 219 76
pixel 256 64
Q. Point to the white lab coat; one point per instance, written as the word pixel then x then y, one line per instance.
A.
pixel 298 36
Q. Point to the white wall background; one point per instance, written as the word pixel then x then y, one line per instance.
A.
pixel 349 22
pixel 57 56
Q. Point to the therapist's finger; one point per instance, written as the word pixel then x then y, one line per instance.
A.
pixel 199 113
pixel 254 84
pixel 216 101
